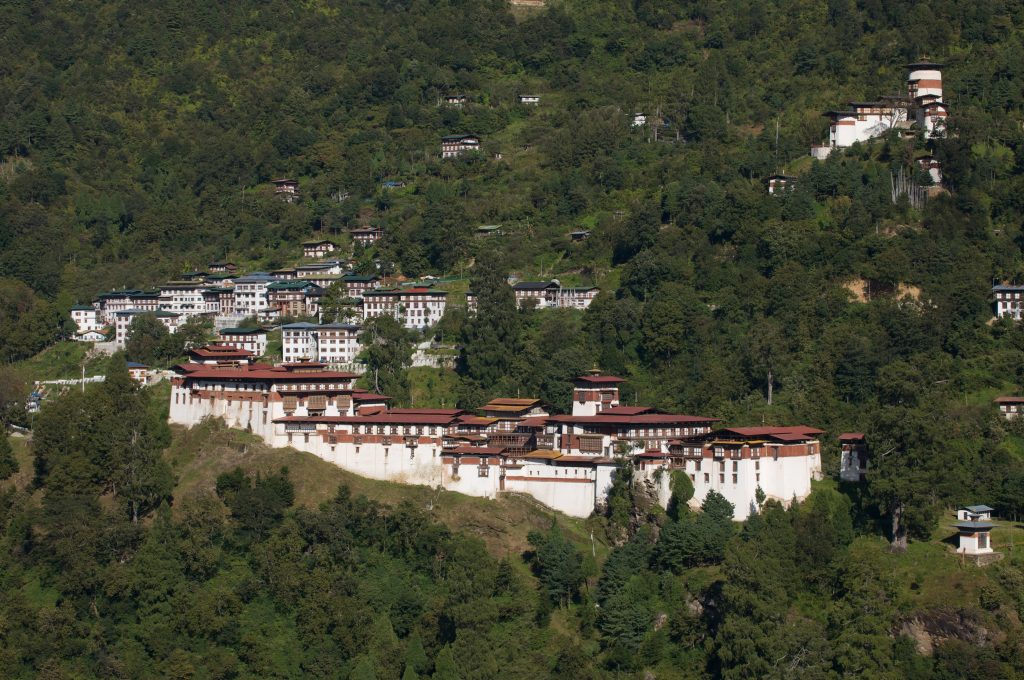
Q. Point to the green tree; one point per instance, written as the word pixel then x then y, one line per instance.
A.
pixel 388 353
pixel 147 340
pixel 8 463
pixel 558 565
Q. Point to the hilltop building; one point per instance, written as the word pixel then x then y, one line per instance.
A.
pixel 1008 300
pixel 861 121
pixel 453 146
pixel 366 236
pixel 779 184
pixel 567 462
pixel 974 528
pixel 319 248
pixel 86 318
pixel 529 99
pixel 545 294
pixel 286 189
pixel 1010 407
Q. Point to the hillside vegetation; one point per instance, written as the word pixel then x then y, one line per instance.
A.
pixel 138 140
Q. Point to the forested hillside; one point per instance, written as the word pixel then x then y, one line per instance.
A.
pixel 137 141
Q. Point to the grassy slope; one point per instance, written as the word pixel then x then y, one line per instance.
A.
pixel 62 360
pixel 200 454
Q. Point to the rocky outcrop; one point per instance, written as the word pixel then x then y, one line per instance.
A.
pixel 935 626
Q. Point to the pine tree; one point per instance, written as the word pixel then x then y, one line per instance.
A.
pixel 8 463
pixel 444 665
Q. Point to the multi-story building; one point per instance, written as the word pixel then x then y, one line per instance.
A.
pixel 251 293
pixel 453 146
pixel 1009 301
pixel 220 267
pixel 286 189
pixel 737 461
pixel 366 236
pixel 545 294
pixel 251 339
pixel 294 298
pixel 86 318
pixel 313 269
pixel 862 121
pixel 356 285
pixel 529 99
pixel 416 308
pixel 319 248
pixel 564 461
pixel 330 343
pixel 183 297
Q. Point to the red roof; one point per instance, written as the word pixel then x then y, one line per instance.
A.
pixel 476 450
pixel 851 436
pixel 220 351
pixel 535 421
pixel 627 410
pixel 641 419
pixel 428 411
pixel 369 396
pixel 1010 400
pixel 790 433
pixel 476 420
pixel 585 459
pixel 262 372
pixel 380 417
pixel 600 379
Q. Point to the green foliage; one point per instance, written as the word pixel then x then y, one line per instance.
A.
pixel 8 463
pixel 257 504
pixel 558 565
pixel 388 353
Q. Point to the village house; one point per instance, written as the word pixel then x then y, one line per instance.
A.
pixel 545 294
pixel 931 165
pixel 331 343
pixel 853 457
pixel 471 302
pixel 307 271
pixel 1010 407
pixel 251 293
pixel 779 184
pixel 86 318
pixel 639 119
pixel 456 100
pixel 416 308
pixel 182 297
pixel 138 372
pixel 251 339
pixel 529 99
pixel 284 273
pixel 453 146
pixel 286 189
pixel 219 300
pixel 486 230
pixel 318 249
pixel 579 235
pixel 294 298
pixel 366 236
pixel 222 267
pixel 356 285
pixel 1008 301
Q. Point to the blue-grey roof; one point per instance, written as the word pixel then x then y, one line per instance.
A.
pixel 1009 288
pixel 975 526
pixel 978 508
pixel 136 364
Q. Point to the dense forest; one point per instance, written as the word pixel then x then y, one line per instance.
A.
pixel 137 141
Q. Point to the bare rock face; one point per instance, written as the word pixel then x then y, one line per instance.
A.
pixel 933 627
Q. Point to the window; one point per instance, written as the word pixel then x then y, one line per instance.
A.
pixel 707 477
pixel 735 465
pixel 721 479
pixel 735 479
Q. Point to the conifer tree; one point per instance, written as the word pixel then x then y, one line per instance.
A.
pixel 8 463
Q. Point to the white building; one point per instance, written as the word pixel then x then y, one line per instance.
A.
pixel 974 527
pixel 1009 301
pixel 252 339
pixel 251 293
pixel 853 457
pixel 736 461
pixel 183 297
pixel 86 318
pixel 453 146
pixel 332 343
pixel 545 294
pixel 1010 407
pixel 529 99
pixel 975 513
pixel 320 248
pixel 416 308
